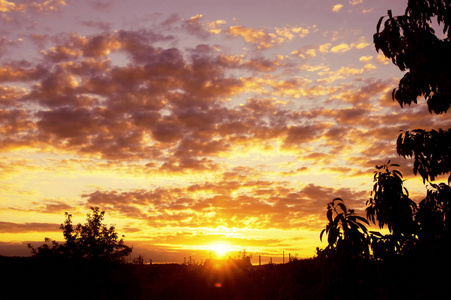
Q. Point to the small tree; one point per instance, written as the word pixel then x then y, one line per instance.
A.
pixel 92 241
pixel 138 260
pixel 244 256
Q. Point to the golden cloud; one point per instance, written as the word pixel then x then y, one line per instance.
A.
pixel 366 58
pixel 337 7
pixel 6 6
pixel 262 38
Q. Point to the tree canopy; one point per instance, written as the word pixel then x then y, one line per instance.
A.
pixel 92 241
pixel 413 45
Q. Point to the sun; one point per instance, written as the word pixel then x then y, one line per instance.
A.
pixel 220 249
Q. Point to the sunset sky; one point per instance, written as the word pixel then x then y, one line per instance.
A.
pixel 195 123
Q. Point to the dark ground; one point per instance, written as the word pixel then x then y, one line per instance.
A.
pixel 27 278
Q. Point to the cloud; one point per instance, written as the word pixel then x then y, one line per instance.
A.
pixel 19 72
pixel 250 35
pixel 297 136
pixel 264 38
pixel 6 6
pixel 33 6
pixel 53 206
pixel 163 104
pixel 382 59
pixel 337 7
pixel 194 26
pixel 342 73
pixel 6 44
pixel 255 204
pixel 174 108
pixel 366 58
pixel 104 26
pixel 343 47
pixel 203 29
pixel 101 5
pixel 324 48
pixel 9 227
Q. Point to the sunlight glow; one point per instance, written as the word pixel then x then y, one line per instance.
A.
pixel 220 249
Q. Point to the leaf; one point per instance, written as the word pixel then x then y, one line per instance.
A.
pixel 329 215
pixel 379 24
pixel 406 191
pixel 342 206
pixel 321 235
pixel 397 173
pixel 333 235
pixel 362 219
pixel 364 229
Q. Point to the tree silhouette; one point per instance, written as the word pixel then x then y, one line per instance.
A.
pixel 410 42
pixel 390 203
pixel 434 216
pixel 92 241
pixel 430 149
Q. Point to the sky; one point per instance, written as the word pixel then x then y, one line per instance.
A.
pixel 194 124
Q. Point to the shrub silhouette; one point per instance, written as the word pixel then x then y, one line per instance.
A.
pixel 346 232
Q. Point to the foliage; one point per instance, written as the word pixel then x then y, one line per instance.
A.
pixel 244 256
pixel 430 149
pixel 412 44
pixel 390 204
pixel 92 241
pixel 410 41
pixel 46 250
pixel 434 214
pixel 346 232
pixel 138 260
pixel 419 236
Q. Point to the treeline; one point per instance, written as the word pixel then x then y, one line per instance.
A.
pixel 315 278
